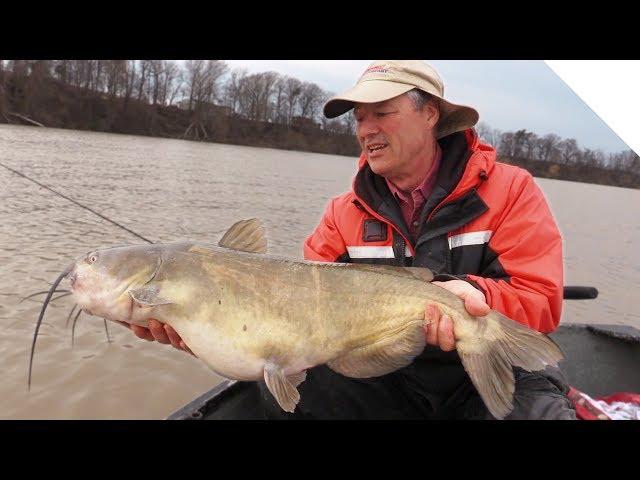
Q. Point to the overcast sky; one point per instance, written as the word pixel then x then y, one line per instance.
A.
pixel 509 95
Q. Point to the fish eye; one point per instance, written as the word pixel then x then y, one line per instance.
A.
pixel 92 258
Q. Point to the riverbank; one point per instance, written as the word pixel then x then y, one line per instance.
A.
pixel 49 102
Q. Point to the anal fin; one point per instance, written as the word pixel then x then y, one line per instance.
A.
pixel 297 378
pixel 282 387
pixel 386 355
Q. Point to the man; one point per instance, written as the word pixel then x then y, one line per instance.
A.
pixel 429 194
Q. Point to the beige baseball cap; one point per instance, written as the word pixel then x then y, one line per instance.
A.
pixel 385 79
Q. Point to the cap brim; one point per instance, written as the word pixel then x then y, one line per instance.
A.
pixel 371 91
pixel 455 118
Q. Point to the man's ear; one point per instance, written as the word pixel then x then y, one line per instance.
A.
pixel 432 113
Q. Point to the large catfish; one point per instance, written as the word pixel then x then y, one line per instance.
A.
pixel 252 316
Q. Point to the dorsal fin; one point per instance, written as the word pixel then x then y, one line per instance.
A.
pixel 418 273
pixel 246 236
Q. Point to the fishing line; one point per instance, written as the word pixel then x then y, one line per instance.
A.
pixel 77 203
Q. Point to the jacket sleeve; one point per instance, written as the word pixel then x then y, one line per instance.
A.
pixel 325 244
pixel 527 283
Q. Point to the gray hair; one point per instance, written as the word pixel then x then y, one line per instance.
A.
pixel 420 98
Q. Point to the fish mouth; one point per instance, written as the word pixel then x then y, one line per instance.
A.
pixel 73 278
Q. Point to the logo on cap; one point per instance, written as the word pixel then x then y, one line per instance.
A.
pixel 376 69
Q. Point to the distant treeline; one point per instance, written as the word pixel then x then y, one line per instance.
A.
pixel 206 100
pixel 551 156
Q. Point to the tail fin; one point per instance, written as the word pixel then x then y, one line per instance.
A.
pixel 504 344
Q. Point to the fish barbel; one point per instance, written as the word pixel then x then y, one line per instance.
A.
pixel 251 316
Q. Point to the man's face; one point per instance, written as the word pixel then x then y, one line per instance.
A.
pixel 394 135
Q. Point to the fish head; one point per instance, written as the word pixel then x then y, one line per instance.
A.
pixel 102 279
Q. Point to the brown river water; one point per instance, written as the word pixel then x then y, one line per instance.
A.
pixel 170 190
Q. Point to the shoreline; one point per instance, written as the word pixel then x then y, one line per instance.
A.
pixel 537 168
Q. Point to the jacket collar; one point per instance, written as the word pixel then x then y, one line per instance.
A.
pixel 466 162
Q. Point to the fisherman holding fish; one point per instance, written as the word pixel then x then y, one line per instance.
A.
pixel 428 196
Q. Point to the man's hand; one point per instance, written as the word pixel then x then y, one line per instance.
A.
pixel 159 332
pixel 440 331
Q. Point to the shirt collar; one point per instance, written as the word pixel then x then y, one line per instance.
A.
pixel 425 187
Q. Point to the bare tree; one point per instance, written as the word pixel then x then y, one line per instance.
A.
pixel 627 161
pixel 143 76
pixel 249 96
pixel 194 72
pixel 519 139
pixel 591 158
pixel 483 130
pixel 255 93
pixel 174 81
pixel 279 113
pixel 547 147
pixel 233 89
pixel 130 77
pixel 292 90
pixel 202 87
pixel 115 72
pixel 568 150
pixel 213 72
pixel 60 69
pixel 529 142
pixel 311 96
pixel 507 144
pixel 166 82
pixel 155 76
pixel 349 123
pixel 494 137
pixel 202 80
pixel 267 81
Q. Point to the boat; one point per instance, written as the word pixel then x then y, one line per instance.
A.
pixel 599 360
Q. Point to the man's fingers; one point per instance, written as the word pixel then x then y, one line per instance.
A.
pixel 474 299
pixel 446 340
pixel 432 314
pixel 142 332
pixel 184 347
pixel 475 306
pixel 158 331
pixel 174 338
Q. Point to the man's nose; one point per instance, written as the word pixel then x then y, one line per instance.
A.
pixel 367 127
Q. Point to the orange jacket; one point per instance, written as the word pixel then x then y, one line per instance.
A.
pixel 486 222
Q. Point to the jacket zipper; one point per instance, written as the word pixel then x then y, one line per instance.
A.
pixel 368 209
pixel 385 220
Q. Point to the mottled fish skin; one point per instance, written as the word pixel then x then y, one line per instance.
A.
pixel 251 316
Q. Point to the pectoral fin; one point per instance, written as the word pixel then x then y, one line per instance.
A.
pixel 283 388
pixel 386 355
pixel 149 296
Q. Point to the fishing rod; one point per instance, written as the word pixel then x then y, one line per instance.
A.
pixel 77 203
pixel 573 292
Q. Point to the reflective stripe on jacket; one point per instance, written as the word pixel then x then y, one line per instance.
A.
pixel 486 222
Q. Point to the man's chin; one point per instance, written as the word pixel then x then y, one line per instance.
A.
pixel 378 166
